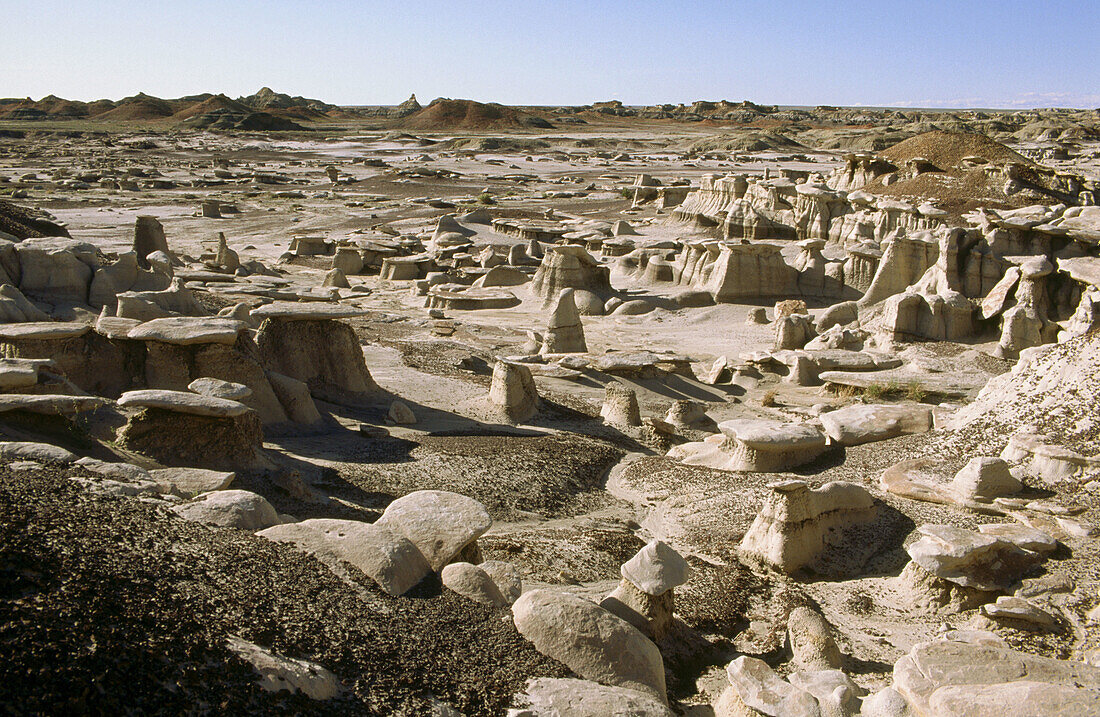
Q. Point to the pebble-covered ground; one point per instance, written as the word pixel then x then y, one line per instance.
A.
pixel 111 606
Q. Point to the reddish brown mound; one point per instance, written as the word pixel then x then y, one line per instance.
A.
pixel 58 107
pixel 25 223
pixel 445 113
pixel 948 149
pixel 211 104
pixel 139 107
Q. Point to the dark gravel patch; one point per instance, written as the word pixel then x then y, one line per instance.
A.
pixel 583 554
pixel 554 476
pixel 113 606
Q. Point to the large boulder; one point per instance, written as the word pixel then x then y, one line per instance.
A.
pixel 590 641
pixel 230 509
pixel 986 678
pixel 381 553
pixel 567 697
pixel 439 523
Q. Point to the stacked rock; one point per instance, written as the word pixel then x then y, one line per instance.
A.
pixel 644 597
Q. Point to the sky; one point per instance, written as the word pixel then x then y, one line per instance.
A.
pixel 899 53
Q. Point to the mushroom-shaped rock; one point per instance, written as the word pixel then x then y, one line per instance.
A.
pixel 569 267
pixel 644 597
pixel 970 559
pixel 306 343
pixel 656 569
pixel 230 509
pixel 183 428
pixel 439 523
pixel 591 641
pixel 798 524
pixel 762 445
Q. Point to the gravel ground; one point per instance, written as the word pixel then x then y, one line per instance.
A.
pixel 112 606
pixel 513 476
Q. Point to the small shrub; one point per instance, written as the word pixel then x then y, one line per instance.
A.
pixel 844 391
pixel 486 198
pixel 626 193
pixel 915 392
pixel 768 399
pixel 874 391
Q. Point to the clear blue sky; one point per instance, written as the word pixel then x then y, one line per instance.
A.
pixel 925 53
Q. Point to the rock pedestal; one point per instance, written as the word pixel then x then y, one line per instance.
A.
pixel 513 391
pixel 797 524
pixel 644 597
pixel 620 405
pixel 307 343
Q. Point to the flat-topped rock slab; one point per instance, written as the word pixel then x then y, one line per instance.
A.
pixel 187 330
pixel 54 405
pixel 20 373
pixel 218 388
pixel 311 311
pixel 961 384
pixel 183 402
pixel 115 327
pixel 46 330
pixel 858 424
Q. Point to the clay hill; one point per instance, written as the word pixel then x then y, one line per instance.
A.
pixel 949 149
pixel 445 113
pixel 265 110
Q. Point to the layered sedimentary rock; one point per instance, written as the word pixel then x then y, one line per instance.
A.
pixel 798 523
pixel 310 345
pixel 569 267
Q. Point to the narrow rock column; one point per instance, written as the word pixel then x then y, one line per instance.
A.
pixel 564 333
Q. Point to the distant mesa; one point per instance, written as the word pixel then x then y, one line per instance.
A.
pixel 444 113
